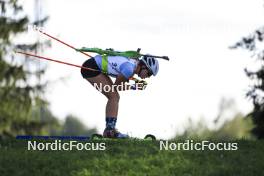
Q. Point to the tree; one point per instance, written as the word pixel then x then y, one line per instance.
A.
pixel 236 127
pixel 73 126
pixel 17 94
pixel 256 93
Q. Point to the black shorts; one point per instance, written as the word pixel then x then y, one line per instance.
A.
pixel 90 63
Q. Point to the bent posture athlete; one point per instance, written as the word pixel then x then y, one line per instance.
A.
pixel 122 68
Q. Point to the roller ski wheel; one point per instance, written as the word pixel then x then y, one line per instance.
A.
pixel 150 137
pixel 96 136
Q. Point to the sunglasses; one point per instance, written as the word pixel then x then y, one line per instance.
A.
pixel 149 72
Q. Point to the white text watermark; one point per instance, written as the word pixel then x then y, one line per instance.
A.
pixel 120 87
pixel 203 145
pixel 58 145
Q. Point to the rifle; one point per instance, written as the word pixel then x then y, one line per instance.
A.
pixel 112 52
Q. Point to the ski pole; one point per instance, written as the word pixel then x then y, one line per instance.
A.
pixel 63 43
pixel 53 60
pixel 67 63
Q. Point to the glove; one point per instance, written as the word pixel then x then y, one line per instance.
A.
pixel 138 86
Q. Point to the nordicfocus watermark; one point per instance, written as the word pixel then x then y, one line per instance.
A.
pixel 33 28
pixel 113 87
pixel 203 145
pixel 58 145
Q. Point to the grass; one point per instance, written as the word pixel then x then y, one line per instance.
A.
pixel 131 157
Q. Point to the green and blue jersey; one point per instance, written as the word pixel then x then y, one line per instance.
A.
pixel 116 65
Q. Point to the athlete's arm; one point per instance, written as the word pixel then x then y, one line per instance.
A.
pixel 120 83
pixel 126 71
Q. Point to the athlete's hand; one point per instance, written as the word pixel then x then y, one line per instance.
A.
pixel 141 86
pixel 138 86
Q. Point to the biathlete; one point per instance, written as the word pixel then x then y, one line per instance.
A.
pixel 122 68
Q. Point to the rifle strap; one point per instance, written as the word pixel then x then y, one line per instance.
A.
pixel 104 64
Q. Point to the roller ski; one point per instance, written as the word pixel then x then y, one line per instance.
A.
pixel 115 134
pixel 110 132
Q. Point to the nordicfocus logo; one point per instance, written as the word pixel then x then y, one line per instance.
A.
pixel 32 28
pixel 204 145
pixel 113 88
pixel 67 146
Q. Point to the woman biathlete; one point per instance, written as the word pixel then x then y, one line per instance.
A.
pixel 122 68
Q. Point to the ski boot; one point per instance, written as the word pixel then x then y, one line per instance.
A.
pixel 114 133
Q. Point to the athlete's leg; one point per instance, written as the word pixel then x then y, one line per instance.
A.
pixel 112 96
pixel 111 106
pixel 102 80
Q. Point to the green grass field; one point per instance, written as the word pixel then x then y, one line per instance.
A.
pixel 131 157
